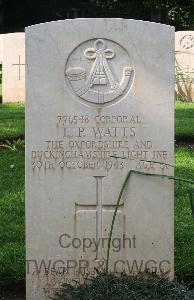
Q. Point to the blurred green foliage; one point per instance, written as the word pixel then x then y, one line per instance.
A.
pixel 18 14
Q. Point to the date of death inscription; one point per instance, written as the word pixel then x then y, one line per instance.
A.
pixel 100 142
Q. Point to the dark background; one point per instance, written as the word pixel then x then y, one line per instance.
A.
pixel 15 15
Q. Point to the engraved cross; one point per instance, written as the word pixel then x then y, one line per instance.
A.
pixel 19 66
pixel 99 208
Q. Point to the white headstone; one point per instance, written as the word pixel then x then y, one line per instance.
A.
pixel 1 49
pixel 13 70
pixel 184 64
pixel 98 89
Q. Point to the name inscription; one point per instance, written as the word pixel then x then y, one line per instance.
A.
pixel 99 142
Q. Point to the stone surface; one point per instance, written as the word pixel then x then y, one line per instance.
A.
pixel 100 102
pixel 13 75
pixel 184 64
pixel 1 48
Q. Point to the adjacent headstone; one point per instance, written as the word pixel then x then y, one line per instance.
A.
pixel 184 64
pixel 100 96
pixel 13 75
pixel 1 49
pixel 1 61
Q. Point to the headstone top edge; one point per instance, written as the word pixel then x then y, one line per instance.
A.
pixel 183 31
pixel 98 20
pixel 12 33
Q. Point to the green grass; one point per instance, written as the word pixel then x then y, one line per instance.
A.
pixel 184 222
pixel 123 287
pixel 184 120
pixel 11 216
pixel 11 120
pixel 0 90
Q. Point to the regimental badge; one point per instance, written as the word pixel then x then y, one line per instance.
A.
pixel 100 74
pixel 187 42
